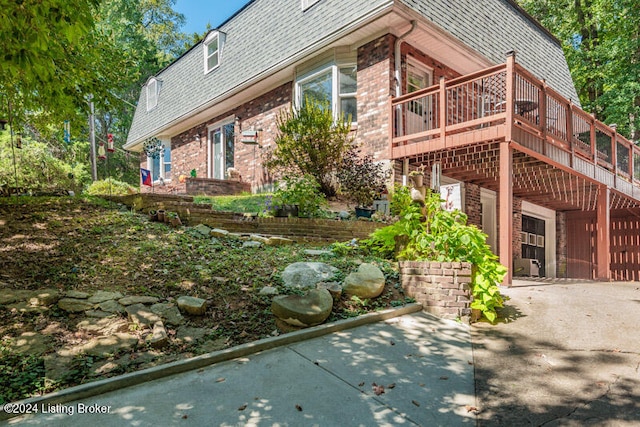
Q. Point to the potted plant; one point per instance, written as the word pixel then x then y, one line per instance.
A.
pixel 417 176
pixel 153 215
pixel 173 219
pixel 362 180
pixel 299 197
pixel 161 214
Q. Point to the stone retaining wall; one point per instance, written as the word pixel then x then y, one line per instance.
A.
pixel 443 288
pixel 298 229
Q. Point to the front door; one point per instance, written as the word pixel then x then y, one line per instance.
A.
pixel 222 150
pixel 534 245
pixel 419 111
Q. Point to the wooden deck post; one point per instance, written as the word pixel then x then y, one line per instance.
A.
pixel 505 207
pixel 505 190
pixel 603 227
pixel 443 111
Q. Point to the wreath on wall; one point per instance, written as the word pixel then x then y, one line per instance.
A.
pixel 153 148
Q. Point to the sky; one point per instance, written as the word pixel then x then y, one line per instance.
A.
pixel 200 12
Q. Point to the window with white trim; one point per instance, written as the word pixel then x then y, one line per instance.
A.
pixel 152 94
pixel 335 85
pixel 161 166
pixel 212 45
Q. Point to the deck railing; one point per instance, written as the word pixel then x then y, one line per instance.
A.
pixel 426 118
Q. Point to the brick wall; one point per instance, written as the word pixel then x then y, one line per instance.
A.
pixel 561 244
pixel 473 205
pixel 215 187
pixel 375 86
pixel 189 152
pixel 517 228
pixel 443 289
pixel 298 229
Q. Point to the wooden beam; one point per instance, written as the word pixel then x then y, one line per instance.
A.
pixel 603 227
pixel 505 207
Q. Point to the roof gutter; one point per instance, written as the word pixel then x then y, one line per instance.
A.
pixel 376 13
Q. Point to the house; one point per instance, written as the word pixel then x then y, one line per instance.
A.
pixel 433 83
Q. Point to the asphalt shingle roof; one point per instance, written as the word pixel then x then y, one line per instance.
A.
pixel 267 32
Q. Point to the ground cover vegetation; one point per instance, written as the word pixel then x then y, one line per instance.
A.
pixel 428 232
pixel 86 244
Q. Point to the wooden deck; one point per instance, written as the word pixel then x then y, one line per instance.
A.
pixel 558 148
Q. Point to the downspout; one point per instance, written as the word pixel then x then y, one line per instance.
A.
pixel 398 58
pixel 398 79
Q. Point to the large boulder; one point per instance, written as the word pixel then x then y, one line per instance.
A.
pixel 367 282
pixel 309 309
pixel 305 275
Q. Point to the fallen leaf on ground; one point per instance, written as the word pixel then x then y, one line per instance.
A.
pixel 470 408
pixel 219 380
pixel 378 389
pixel 444 377
pixel 415 403
pixel 185 416
pixel 361 384
pixel 299 408
pixel 392 385
pixel 243 407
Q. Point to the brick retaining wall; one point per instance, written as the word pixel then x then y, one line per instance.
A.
pixel 216 187
pixel 443 288
pixel 298 229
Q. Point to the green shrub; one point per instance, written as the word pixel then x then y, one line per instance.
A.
pixel 310 142
pixel 361 179
pixel 301 191
pixel 438 235
pixel 110 186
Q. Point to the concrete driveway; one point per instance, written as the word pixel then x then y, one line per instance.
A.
pixel 568 356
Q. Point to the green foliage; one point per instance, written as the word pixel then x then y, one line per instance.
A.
pixel 111 187
pixel 400 200
pixel 361 179
pixel 310 142
pixel 39 167
pixel 601 40
pixel 20 375
pixel 242 203
pixel 301 191
pixel 438 235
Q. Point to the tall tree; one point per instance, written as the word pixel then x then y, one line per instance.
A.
pixel 601 40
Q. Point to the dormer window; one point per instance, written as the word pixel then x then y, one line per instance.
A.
pixel 152 93
pixel 306 4
pixel 212 47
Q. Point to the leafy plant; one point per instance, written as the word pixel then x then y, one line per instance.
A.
pixel 444 236
pixel 110 186
pixel 310 142
pixel 361 179
pixel 301 191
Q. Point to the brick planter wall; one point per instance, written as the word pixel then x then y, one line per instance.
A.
pixel 443 288
pixel 216 187
pixel 298 229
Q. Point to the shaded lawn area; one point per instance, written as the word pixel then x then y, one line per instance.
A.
pixel 87 244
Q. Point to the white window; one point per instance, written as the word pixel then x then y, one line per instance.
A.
pixel 161 166
pixel 335 85
pixel 212 47
pixel 152 94
pixel 306 4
